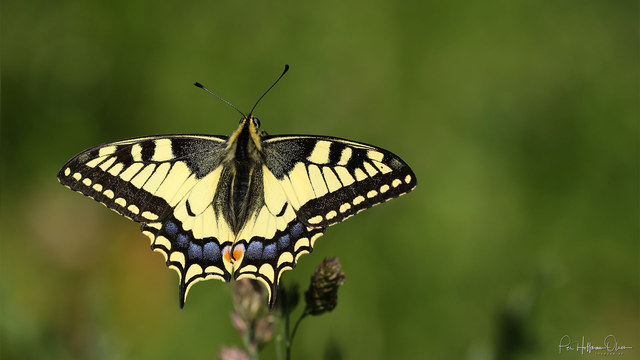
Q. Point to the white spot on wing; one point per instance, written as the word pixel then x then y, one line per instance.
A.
pixel 291 194
pixel 156 179
pixel 274 195
pixel 209 227
pixel 285 257
pixel 315 220
pixel 330 178
pixel 177 257
pixel 107 164
pixel 202 193
pixel 301 243
pixel 213 269
pixel 147 214
pixel 344 207
pixel 359 199
pixel 360 175
pixel 107 150
pixel 194 270
pixel 131 171
pixel 163 150
pixel 314 238
pixel 176 184
pixel 320 153
pixel 382 167
pixel 67 171
pixel 344 175
pixel 396 183
pixel 109 194
pixel 92 163
pixel 375 155
pixel 345 156
pixel 136 152
pixel 301 183
pixel 370 169
pixel 161 240
pixel 182 191
pixel 134 209
pixel 116 169
pixel 317 180
pixel 267 270
pixel 142 176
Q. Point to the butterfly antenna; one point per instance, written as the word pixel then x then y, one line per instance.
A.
pixel 210 92
pixel 286 68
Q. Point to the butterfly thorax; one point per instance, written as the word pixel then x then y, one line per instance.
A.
pixel 242 175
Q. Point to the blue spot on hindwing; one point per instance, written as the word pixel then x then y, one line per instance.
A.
pixel 211 251
pixel 195 251
pixel 297 230
pixel 269 251
pixel 284 241
pixel 183 240
pixel 171 228
pixel 254 250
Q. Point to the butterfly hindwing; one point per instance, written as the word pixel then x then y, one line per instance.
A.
pixel 330 179
pixel 273 239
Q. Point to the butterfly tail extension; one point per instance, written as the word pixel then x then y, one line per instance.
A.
pixel 193 259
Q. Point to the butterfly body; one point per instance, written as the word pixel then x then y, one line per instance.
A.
pixel 244 206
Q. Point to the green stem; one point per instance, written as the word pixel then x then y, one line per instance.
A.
pixel 248 340
pixel 293 333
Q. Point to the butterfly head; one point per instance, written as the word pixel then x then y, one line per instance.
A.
pixel 252 121
pixel 248 131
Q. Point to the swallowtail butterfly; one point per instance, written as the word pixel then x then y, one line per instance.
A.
pixel 246 205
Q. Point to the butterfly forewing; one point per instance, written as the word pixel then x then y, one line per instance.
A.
pixel 142 178
pixel 331 179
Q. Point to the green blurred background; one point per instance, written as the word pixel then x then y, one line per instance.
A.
pixel 520 119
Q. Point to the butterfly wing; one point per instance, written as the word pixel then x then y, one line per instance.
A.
pixel 329 179
pixel 167 183
pixel 310 183
pixel 273 238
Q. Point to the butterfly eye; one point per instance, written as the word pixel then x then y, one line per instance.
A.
pixel 256 122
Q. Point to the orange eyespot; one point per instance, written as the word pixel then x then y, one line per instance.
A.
pixel 237 254
pixel 227 256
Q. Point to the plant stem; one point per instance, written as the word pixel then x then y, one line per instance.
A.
pixel 293 333
pixel 248 344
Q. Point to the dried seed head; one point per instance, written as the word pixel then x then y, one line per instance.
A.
pixel 322 295
pixel 251 317
pixel 233 354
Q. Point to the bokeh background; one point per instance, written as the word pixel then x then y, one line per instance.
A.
pixel 520 119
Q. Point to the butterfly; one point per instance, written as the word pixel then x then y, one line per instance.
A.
pixel 246 205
